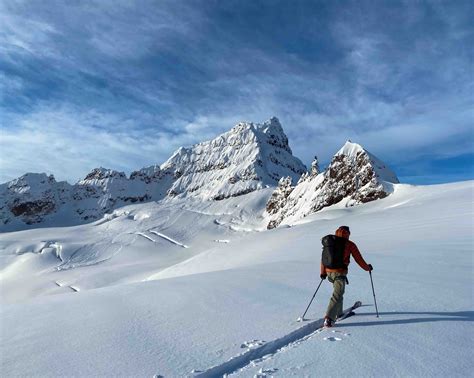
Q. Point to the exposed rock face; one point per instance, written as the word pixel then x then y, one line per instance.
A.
pixel 103 189
pixel 353 174
pixel 246 158
pixel 279 196
pixel 31 197
pixel 147 175
pixel 315 170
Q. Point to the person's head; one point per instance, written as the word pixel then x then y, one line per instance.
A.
pixel 343 232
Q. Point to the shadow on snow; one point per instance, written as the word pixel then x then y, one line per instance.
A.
pixel 434 316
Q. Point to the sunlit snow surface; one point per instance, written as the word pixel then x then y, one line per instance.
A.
pixel 189 285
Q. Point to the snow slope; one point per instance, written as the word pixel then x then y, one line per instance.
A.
pixel 197 311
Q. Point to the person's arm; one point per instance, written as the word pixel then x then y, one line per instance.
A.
pixel 323 274
pixel 358 258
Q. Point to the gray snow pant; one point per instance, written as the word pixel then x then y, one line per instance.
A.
pixel 338 281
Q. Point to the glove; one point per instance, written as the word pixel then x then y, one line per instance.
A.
pixel 323 276
pixel 371 268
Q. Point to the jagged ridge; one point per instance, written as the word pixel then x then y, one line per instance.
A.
pixel 354 174
pixel 246 158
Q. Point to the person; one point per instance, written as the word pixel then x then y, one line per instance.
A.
pixel 338 277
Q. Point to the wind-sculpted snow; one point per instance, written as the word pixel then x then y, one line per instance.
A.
pixel 209 303
pixel 249 157
pixel 354 175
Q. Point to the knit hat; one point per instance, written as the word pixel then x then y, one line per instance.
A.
pixel 343 232
pixel 346 228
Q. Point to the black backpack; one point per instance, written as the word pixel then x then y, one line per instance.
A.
pixel 333 252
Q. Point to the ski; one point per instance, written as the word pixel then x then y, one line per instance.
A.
pixel 349 312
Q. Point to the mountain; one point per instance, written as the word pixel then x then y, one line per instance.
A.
pixel 246 158
pixel 249 157
pixel 354 175
pixel 31 197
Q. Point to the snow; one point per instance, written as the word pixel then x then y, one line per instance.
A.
pixel 157 308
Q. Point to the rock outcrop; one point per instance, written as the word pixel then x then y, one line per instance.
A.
pixel 354 175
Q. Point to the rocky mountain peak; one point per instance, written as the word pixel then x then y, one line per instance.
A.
pixel 31 197
pixel 28 181
pixel 243 159
pixel 360 157
pixel 102 174
pixel 147 174
pixel 354 175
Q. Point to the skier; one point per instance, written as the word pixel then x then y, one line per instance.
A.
pixel 338 276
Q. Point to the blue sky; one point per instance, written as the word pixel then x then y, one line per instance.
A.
pixel 122 84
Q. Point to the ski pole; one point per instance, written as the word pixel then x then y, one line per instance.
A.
pixel 311 301
pixel 373 292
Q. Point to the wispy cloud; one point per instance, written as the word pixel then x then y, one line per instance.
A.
pixel 133 81
pixel 65 141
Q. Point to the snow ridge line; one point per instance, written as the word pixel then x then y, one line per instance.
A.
pixel 242 360
pixel 168 238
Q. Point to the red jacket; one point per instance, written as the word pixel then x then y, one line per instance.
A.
pixel 350 249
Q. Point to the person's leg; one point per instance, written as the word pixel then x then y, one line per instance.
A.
pixel 335 303
pixel 340 306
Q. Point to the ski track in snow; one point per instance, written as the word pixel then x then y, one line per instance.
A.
pixel 260 351
pixel 163 236
pixel 263 352
pixel 204 212
pixel 69 264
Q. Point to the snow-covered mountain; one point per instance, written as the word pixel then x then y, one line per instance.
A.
pixel 31 197
pixel 248 157
pixel 354 175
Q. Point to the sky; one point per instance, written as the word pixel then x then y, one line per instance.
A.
pixel 122 84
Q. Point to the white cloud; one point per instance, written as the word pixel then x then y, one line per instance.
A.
pixel 68 143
